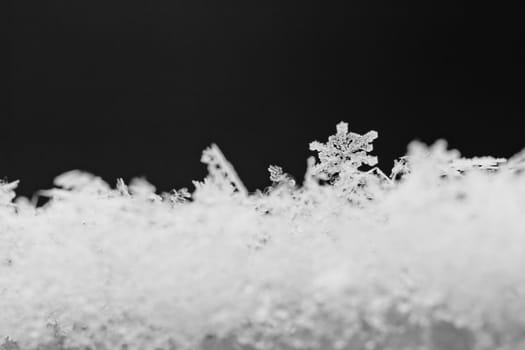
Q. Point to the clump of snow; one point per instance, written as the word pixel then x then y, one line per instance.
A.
pixel 430 257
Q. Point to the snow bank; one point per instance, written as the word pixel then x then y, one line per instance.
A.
pixel 430 257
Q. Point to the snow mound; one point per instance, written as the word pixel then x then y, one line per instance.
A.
pixel 430 257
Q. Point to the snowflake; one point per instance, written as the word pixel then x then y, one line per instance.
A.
pixel 278 176
pixel 221 173
pixel 177 196
pixel 401 167
pixel 441 161
pixel 344 150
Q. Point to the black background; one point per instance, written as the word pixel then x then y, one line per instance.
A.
pixel 139 88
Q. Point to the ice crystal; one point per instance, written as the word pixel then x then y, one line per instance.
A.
pixel 341 158
pixel 428 258
pixel 401 167
pixel 346 150
pixel 177 196
pixel 279 177
pixel 7 192
pixel 221 174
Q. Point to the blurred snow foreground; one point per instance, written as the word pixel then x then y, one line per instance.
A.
pixel 430 257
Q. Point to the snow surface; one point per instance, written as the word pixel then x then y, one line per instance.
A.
pixel 430 257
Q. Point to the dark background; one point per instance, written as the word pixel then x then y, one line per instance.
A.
pixel 131 88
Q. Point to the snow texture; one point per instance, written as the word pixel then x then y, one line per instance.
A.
pixel 430 257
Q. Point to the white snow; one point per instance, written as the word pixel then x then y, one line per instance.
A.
pixel 429 258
